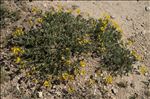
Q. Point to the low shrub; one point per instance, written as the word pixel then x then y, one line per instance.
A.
pixel 54 45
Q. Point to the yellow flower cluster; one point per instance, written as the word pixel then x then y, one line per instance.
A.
pixel 78 11
pixel 60 8
pixel 115 25
pixel 82 72
pixel 30 22
pixel 138 57
pixel 143 69
pixel 39 20
pixel 84 41
pixel 18 60
pixel 82 63
pixel 67 76
pixel 106 19
pixel 68 62
pixel 18 32
pixel 69 11
pixel 35 10
pixel 130 42
pixel 106 16
pixel 104 24
pixel 17 50
pixel 109 79
pixel 35 80
pixel 71 89
pixel 46 83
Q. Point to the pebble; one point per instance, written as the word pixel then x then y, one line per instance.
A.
pixel 112 16
pixel 114 91
pixel 40 94
pixel 146 74
pixel 147 8
pixel 17 86
pixel 128 18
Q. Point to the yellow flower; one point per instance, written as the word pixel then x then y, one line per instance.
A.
pixel 17 50
pixel 30 22
pixel 82 63
pixel 106 16
pixel 70 89
pixel 46 83
pixel 82 72
pixel 87 35
pixel 78 11
pixel 143 69
pixel 130 42
pixel 71 77
pixel 59 7
pixel 102 28
pixel 67 62
pixel 109 79
pixel 76 71
pixel 138 57
pixel 35 80
pixel 28 74
pixel 18 60
pixel 115 25
pixel 34 9
pixel 86 41
pixel 65 76
pixel 18 32
pixel 39 20
pixel 104 22
pixel 69 11
pixel 103 49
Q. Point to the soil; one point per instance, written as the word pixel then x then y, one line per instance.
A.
pixel 133 18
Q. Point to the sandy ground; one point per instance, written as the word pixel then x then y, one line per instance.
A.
pixel 131 16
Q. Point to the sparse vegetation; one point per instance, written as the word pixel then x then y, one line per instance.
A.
pixel 7 16
pixel 59 53
pixel 54 47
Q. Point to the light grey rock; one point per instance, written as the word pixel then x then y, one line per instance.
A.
pixel 112 16
pixel 147 8
pixel 40 94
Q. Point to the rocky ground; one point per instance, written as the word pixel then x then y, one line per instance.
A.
pixel 132 16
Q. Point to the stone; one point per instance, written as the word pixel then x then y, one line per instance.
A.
pixel 114 91
pixel 112 16
pixel 40 94
pixel 147 8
